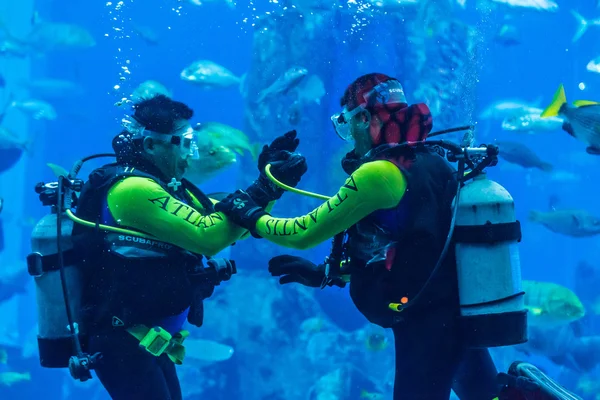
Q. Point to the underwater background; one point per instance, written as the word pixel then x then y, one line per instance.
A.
pixel 65 89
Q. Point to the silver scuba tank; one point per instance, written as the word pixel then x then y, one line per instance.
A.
pixel 55 341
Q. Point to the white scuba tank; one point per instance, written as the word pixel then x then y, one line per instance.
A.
pixel 489 270
pixel 54 340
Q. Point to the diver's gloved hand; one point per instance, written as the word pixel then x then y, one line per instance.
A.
pixel 287 142
pixel 350 162
pixel 242 210
pixel 286 167
pixel 299 270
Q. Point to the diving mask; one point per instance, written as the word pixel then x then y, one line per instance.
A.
pixel 184 137
pixel 386 93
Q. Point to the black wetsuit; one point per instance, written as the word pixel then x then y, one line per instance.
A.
pixel 431 356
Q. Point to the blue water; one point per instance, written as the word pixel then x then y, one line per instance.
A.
pixel 529 71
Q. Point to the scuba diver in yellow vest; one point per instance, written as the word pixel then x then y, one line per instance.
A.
pixel 136 249
pixel 439 270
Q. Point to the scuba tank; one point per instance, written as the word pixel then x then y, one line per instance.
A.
pixel 485 234
pixel 58 280
pixel 488 266
pixel 54 335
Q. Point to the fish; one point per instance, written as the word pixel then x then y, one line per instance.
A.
pixel 229 137
pixel 582 25
pixel 518 153
pixel 9 141
pixel 147 34
pixel 11 378
pixel 506 108
pixel 540 5
pixel 212 159
pixel 594 65
pixel 587 281
pixel 207 350
pixel 52 88
pixel 392 5
pixel 13 281
pixel 229 3
pixel 45 37
pixel 569 222
pixel 508 35
pixel 209 75
pixel 149 89
pixel 531 123
pixel 582 121
pixel 289 80
pixel 13 48
pixel 48 36
pixel 371 395
pixel 563 345
pixel 37 109
pixel 1 204
pixel 550 304
pixel 311 90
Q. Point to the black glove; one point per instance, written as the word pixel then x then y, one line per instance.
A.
pixel 299 270
pixel 242 210
pixel 287 168
pixel 350 162
pixel 269 153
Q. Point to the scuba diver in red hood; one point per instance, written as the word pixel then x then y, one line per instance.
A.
pixel 396 211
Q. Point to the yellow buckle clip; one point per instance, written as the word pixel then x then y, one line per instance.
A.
pixel 156 341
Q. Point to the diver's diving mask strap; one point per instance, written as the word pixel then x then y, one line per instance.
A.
pixel 186 140
pixel 387 93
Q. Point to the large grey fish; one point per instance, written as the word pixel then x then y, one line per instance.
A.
pixel 518 153
pixel 209 75
pixel 37 109
pixel 9 140
pixel 582 121
pixel 574 223
pixel 48 36
pixel 289 80
pixel 52 88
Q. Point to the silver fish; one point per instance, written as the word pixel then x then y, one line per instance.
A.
pixel 289 80
pixel 531 122
pixel 540 5
pixel 506 108
pixel 209 75
pixel 38 109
